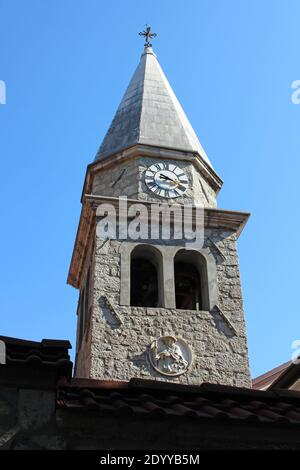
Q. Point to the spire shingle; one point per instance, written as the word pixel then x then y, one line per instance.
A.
pixel 150 113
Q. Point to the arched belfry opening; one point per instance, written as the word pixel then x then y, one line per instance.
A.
pixel 191 287
pixel 145 277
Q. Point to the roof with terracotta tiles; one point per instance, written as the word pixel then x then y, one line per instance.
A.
pixel 47 353
pixel 284 376
pixel 203 402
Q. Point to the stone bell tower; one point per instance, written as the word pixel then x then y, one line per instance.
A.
pixel 151 306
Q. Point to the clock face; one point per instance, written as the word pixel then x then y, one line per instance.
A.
pixel 166 180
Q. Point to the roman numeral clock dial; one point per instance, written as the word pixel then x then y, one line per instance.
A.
pixel 166 180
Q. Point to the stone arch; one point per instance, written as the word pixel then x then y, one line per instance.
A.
pixel 151 258
pixel 195 279
pixel 146 285
pixel 163 256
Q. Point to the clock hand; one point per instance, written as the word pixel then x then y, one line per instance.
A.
pixel 179 186
pixel 164 177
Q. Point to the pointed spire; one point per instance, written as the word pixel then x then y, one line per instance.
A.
pixel 150 113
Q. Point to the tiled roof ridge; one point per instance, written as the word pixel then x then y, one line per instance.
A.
pixel 33 357
pixel 161 386
pixel 44 343
pixel 267 376
pixel 207 401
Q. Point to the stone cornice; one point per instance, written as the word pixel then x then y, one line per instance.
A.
pixel 84 233
pixel 213 219
pixel 151 151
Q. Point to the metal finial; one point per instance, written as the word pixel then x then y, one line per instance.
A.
pixel 148 35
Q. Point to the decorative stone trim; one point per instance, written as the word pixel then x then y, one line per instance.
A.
pixel 217 249
pixel 153 151
pixel 111 308
pixel 227 321
pixel 170 355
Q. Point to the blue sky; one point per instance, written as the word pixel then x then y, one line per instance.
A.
pixel 66 64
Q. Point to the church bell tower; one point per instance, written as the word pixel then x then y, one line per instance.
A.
pixel 152 304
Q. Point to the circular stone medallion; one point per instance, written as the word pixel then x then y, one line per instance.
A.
pixel 170 356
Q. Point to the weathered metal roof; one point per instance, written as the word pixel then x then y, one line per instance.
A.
pixel 150 113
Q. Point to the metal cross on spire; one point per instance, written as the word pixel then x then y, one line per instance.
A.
pixel 148 35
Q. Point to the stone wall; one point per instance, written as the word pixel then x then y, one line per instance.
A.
pixel 128 179
pixel 120 336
